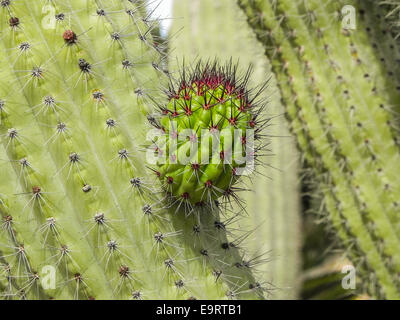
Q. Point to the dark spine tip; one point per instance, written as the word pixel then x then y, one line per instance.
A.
pixel 14 22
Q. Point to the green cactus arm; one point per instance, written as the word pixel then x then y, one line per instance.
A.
pixel 355 100
pixel 328 107
pixel 217 29
pixel 389 151
pixel 294 94
pixel 75 98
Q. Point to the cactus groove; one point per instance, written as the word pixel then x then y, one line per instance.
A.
pixel 75 194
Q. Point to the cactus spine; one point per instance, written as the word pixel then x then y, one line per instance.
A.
pixel 75 77
pixel 339 104
pixel 217 28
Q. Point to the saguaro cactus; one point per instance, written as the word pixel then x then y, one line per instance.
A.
pixel 340 98
pixel 81 216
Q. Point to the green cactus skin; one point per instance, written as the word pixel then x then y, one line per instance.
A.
pixel 210 28
pixel 74 191
pixel 334 89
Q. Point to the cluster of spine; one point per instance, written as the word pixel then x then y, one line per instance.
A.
pixel 210 28
pixel 340 102
pixel 75 196
pixel 210 108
